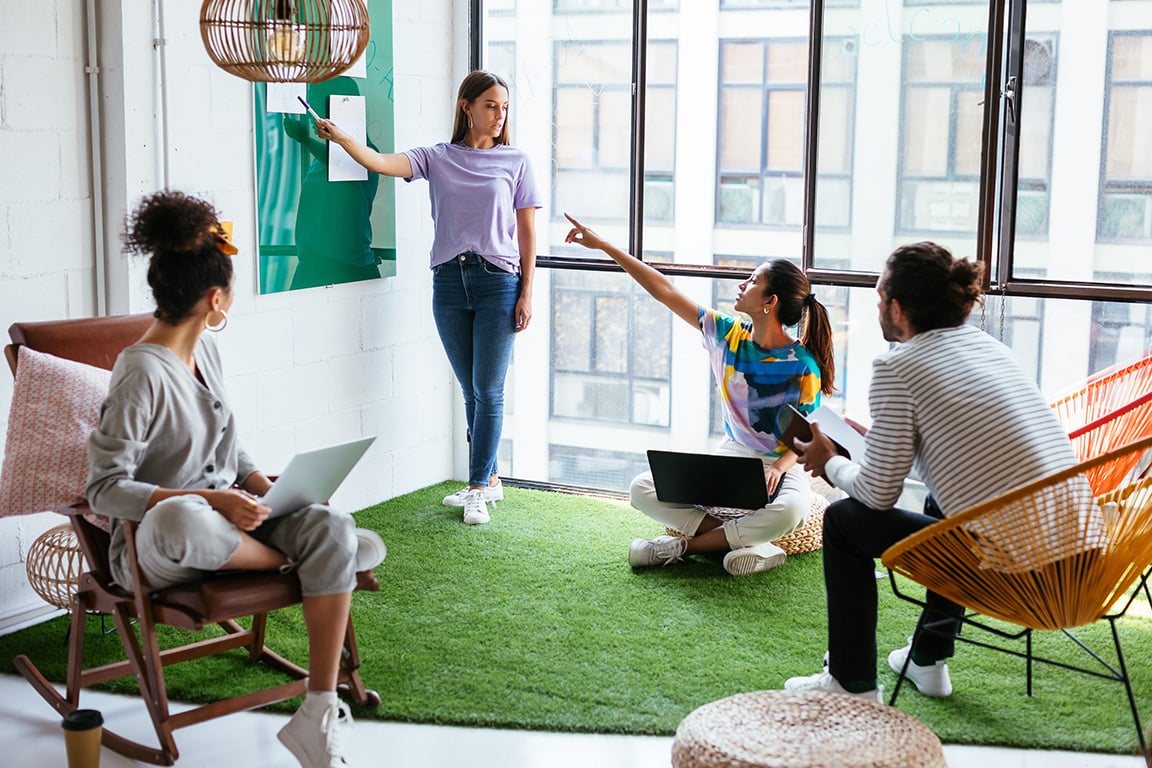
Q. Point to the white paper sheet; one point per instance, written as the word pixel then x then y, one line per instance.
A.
pixel 282 97
pixel 359 67
pixel 348 112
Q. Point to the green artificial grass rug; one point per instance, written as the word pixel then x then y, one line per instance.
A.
pixel 536 621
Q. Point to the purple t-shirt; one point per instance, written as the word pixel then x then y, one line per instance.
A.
pixel 475 195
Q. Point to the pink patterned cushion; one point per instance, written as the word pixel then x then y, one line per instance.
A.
pixel 55 404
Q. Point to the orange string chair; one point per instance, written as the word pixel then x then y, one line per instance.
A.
pixel 1109 409
pixel 1051 555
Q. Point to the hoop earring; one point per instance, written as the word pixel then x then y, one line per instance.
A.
pixel 218 327
pixel 469 122
pixel 767 310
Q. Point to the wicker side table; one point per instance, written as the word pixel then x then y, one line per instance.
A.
pixel 793 729
pixel 54 565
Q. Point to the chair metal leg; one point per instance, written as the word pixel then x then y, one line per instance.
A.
pixel 1127 683
pixel 1028 660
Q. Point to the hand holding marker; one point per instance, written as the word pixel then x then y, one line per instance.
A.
pixel 323 127
pixel 308 107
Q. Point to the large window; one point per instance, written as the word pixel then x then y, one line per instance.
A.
pixel 1022 146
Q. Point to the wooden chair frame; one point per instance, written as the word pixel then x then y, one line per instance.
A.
pixel 1092 575
pixel 220 599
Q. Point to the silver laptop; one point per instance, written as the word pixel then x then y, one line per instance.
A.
pixel 312 477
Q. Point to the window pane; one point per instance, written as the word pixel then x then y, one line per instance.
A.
pixel 742 63
pixel 926 134
pixel 785 131
pixel 575 128
pixel 740 112
pixel 788 63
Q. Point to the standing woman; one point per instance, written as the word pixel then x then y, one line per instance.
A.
pixel 759 369
pixel 484 202
pixel 166 455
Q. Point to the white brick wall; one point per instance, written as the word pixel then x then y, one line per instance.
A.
pixel 306 367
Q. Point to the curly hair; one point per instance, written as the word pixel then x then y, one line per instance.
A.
pixel 934 289
pixel 181 234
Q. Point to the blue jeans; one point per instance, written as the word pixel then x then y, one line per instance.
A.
pixel 473 303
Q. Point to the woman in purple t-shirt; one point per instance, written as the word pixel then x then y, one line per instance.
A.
pixel 484 201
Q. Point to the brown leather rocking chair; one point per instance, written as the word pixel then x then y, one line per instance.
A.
pixel 220 599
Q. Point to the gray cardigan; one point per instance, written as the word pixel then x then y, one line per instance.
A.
pixel 160 427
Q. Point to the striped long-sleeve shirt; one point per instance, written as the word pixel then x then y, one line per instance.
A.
pixel 954 404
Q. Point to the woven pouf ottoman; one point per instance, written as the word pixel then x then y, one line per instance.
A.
pixel 803 729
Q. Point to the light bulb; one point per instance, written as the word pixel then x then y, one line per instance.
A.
pixel 286 42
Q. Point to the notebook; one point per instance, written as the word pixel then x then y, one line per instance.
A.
pixel 709 480
pixel 312 477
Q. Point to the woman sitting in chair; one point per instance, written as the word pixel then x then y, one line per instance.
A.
pixel 166 455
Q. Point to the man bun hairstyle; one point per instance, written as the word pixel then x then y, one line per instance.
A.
pixel 934 289
pixel 181 234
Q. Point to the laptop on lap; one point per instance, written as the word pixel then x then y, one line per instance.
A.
pixel 312 477
pixel 709 480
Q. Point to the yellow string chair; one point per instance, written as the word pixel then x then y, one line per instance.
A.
pixel 1050 555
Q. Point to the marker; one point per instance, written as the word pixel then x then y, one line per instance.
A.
pixel 309 108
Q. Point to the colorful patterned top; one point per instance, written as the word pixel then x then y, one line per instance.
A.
pixel 755 383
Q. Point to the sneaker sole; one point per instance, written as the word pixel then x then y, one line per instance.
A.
pixel 634 550
pixel 293 746
pixel 476 519
pixel 454 501
pixel 932 694
pixel 742 565
pixel 380 552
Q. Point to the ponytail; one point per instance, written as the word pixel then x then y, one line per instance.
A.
pixel 817 339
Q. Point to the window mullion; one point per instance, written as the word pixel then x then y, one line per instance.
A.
pixel 990 145
pixel 639 80
pixel 811 131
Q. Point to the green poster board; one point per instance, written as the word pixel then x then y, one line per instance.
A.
pixel 311 231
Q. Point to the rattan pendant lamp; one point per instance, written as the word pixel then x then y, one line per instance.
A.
pixel 284 41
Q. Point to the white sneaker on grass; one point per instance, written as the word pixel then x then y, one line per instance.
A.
pixel 491 493
pixel 370 549
pixel 931 680
pixel 475 510
pixel 661 550
pixel 313 735
pixel 823 681
pixel 762 557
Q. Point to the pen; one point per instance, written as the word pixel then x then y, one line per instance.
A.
pixel 309 108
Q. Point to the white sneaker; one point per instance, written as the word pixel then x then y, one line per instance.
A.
pixel 932 680
pixel 370 549
pixel 475 510
pixel 661 550
pixel 314 738
pixel 823 681
pixel 762 557
pixel 491 493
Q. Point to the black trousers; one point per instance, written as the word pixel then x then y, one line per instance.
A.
pixel 854 535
